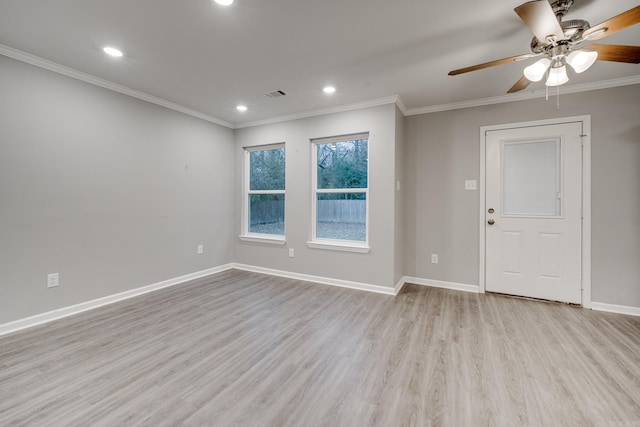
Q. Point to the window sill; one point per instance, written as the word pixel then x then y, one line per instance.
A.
pixel 262 238
pixel 337 246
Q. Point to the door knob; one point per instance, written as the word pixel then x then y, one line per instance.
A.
pixel 491 221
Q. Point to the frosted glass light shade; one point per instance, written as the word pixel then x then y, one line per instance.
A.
pixel 535 72
pixel 581 60
pixel 557 76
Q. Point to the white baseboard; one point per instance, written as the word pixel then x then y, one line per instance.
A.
pixel 317 279
pixel 612 308
pixel 49 316
pixel 399 285
pixel 443 285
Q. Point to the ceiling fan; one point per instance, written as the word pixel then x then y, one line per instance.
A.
pixel 557 42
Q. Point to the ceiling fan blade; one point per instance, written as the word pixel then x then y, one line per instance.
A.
pixel 520 85
pixel 616 52
pixel 492 64
pixel 613 25
pixel 539 17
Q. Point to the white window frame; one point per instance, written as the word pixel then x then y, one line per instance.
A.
pixel 338 244
pixel 246 235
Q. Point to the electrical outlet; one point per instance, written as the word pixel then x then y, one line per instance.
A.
pixel 53 280
pixel 291 253
pixel 200 249
pixel 434 258
pixel 470 184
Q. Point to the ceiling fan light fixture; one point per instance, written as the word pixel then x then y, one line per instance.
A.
pixel 581 60
pixel 535 72
pixel 557 76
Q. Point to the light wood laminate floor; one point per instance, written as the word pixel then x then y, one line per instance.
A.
pixel 243 349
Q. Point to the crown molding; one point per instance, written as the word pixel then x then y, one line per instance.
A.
pixel 401 106
pixel 321 112
pixel 584 87
pixel 88 78
pixel 395 99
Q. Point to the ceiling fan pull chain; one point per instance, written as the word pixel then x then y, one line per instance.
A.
pixel 558 98
pixel 546 98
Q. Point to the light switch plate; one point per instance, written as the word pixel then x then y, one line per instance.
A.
pixel 53 280
pixel 470 184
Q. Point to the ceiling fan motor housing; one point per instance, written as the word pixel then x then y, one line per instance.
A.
pixel 572 29
pixel 561 7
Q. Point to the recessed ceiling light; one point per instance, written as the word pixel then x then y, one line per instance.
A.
pixel 224 2
pixel 329 89
pixel 112 51
pixel 241 108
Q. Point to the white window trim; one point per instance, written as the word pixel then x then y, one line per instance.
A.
pixel 338 244
pixel 246 235
pixel 263 238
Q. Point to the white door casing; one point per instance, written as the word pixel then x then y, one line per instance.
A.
pixel 532 179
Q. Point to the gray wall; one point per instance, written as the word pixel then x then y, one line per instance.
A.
pixel 443 150
pixel 111 192
pixel 399 226
pixel 376 267
pixel 115 193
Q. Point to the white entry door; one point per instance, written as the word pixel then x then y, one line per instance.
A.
pixel 533 223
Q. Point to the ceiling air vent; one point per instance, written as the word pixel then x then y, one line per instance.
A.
pixel 275 94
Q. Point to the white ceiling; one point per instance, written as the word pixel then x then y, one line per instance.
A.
pixel 210 58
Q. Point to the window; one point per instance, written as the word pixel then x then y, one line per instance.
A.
pixel 264 193
pixel 340 193
pixel 531 177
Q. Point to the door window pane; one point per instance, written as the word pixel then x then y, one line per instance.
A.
pixel 531 178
